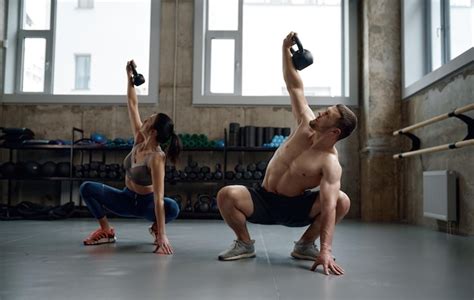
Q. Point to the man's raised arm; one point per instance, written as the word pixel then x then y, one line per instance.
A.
pixel 294 84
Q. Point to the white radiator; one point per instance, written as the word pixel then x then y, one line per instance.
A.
pixel 439 195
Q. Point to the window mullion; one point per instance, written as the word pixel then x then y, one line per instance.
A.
pixel 238 52
pixel 49 63
pixel 446 31
pixel 207 65
pixel 428 47
pixel 20 61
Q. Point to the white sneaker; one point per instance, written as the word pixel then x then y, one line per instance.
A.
pixel 238 250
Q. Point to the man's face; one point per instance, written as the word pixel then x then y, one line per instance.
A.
pixel 325 119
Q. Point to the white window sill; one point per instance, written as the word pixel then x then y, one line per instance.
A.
pixel 224 100
pixel 73 99
pixel 442 72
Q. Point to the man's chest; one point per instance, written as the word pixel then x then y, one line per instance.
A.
pixel 305 165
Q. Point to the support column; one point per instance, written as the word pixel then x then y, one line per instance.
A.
pixel 380 109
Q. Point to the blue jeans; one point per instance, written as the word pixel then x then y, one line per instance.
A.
pixel 125 203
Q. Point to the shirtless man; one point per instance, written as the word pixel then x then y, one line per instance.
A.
pixel 308 159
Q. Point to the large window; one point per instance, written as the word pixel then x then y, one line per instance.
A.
pixel 438 39
pixel 237 54
pixel 46 39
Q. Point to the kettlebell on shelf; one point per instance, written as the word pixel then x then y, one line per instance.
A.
pixel 202 205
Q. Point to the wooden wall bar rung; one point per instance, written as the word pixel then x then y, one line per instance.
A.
pixel 456 145
pixel 435 119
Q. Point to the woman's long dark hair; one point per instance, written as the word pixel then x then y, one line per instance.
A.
pixel 165 129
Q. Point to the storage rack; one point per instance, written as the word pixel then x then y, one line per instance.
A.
pixel 73 149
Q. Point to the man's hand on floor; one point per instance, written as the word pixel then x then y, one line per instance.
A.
pixel 325 259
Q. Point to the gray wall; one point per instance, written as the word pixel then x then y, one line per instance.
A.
pixel 448 94
pixel 392 190
pixel 55 121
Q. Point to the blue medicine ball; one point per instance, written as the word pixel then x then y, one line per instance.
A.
pixel 98 138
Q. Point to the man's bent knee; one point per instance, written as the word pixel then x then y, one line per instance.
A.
pixel 227 196
pixel 343 203
pixel 235 196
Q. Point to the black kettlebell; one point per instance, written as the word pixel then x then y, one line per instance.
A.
pixel 239 168
pixel 202 204
pixel 252 167
pixel 138 79
pixel 262 166
pixel 248 175
pixel 257 175
pixel 218 173
pixel 302 57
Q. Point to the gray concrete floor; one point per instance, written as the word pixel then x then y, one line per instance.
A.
pixel 45 260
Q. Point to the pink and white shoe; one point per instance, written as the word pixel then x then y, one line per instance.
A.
pixel 100 236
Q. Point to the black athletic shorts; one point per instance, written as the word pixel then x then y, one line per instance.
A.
pixel 270 208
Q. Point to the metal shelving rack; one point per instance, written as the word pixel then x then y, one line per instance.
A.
pixel 74 148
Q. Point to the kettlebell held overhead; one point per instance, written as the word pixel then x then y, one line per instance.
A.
pixel 138 79
pixel 302 57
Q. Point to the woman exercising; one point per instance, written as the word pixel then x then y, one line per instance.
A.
pixel 143 195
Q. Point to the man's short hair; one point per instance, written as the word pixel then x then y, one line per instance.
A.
pixel 347 122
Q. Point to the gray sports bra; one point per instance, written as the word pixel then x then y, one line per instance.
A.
pixel 138 173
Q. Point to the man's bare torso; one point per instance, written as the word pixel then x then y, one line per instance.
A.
pixel 296 166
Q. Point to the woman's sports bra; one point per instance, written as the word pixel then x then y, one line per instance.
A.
pixel 138 173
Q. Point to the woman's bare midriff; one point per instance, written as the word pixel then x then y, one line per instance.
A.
pixel 139 189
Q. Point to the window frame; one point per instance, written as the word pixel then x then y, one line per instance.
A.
pixel 78 79
pixel 12 63
pixel 201 74
pixel 87 5
pixel 448 66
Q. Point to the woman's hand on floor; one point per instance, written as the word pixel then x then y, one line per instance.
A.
pixel 163 246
